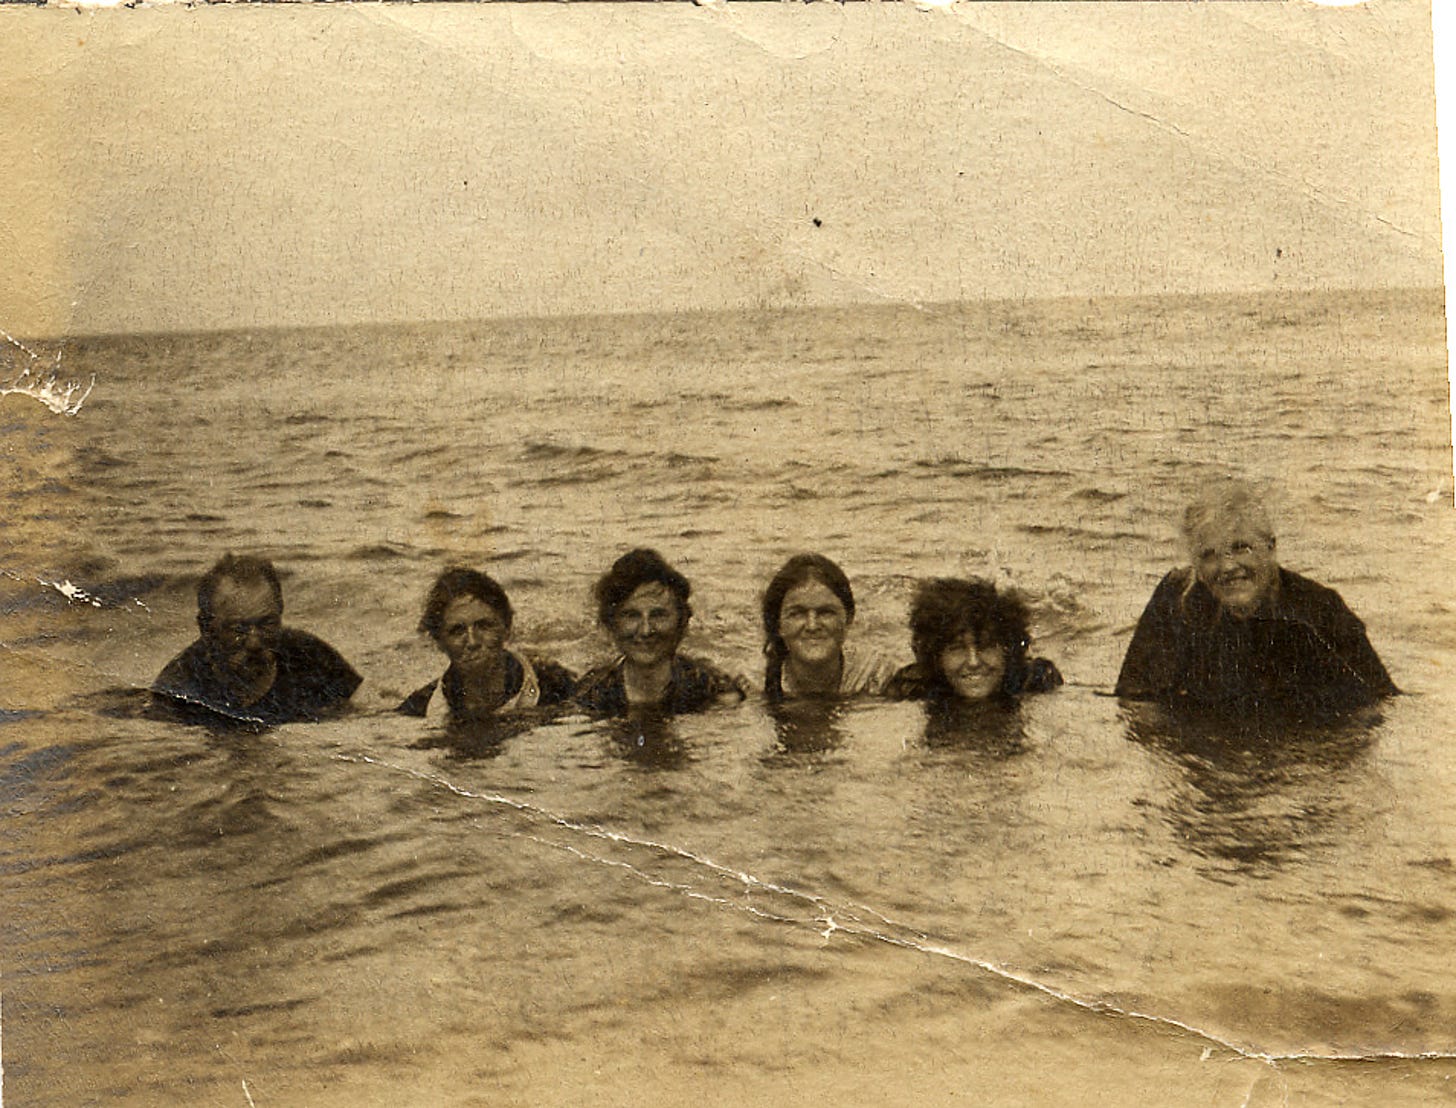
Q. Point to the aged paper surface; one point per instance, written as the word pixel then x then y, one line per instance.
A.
pixel 979 290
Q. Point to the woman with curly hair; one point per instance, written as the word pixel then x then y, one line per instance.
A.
pixel 970 644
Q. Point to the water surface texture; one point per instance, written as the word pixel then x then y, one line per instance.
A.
pixel 1082 903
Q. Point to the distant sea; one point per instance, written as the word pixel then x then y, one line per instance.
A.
pixel 742 906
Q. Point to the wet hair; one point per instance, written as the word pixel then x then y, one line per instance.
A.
pixel 456 582
pixel 798 570
pixel 945 608
pixel 629 573
pixel 242 569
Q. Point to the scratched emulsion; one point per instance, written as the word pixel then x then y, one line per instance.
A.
pixel 1083 905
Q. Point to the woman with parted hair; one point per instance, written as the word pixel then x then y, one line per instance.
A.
pixel 642 602
pixel 469 616
pixel 807 611
pixel 970 644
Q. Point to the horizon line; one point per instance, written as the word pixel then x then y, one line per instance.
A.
pixel 782 309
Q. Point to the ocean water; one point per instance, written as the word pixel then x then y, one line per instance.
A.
pixel 1082 903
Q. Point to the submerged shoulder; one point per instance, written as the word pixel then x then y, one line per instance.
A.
pixel 1298 591
pixel 310 657
pixel 601 686
pixel 908 683
pixel 866 671
pixel 306 647
pixel 1174 585
pixel 418 702
pixel 1042 675
pixel 184 673
pixel 558 684
pixel 700 673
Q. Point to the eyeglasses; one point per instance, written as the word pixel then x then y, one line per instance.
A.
pixel 239 629
pixel 1242 549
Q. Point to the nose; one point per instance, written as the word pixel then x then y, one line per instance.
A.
pixel 472 636
pixel 811 621
pixel 643 626
pixel 253 638
pixel 976 657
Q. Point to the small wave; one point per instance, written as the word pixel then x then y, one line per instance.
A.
pixel 565 480
pixel 1099 496
pixel 550 451
pixel 1082 532
pixel 421 452
pixel 767 404
pixel 94 458
pixel 254 1009
pixel 961 467
pixel 126 589
pixel 315 503
pixel 375 552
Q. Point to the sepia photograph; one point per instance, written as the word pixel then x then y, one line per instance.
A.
pixel 725 553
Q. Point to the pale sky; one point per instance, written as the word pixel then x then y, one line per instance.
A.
pixel 235 166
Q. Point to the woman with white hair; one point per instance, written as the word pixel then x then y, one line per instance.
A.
pixel 1233 630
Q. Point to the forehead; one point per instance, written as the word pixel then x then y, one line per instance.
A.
pixel 812 594
pixel 971 631
pixel 654 594
pixel 1225 529
pixel 236 600
pixel 468 609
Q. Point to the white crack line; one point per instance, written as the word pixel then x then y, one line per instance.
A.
pixel 925 946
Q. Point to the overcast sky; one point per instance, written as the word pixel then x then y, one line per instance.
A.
pixel 240 166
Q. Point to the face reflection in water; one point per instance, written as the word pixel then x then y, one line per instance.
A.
pixel 648 625
pixel 974 672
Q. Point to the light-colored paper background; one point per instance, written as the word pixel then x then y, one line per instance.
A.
pixel 182 169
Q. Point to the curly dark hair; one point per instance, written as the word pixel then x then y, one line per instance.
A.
pixel 629 573
pixel 945 608
pixel 798 570
pixel 455 582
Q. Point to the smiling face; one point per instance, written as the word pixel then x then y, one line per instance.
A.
pixel 1235 559
pixel 243 631
pixel 973 670
pixel 812 623
pixel 472 633
pixel 648 625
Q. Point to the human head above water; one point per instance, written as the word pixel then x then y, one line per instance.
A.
pixel 947 611
pixel 241 570
pixel 629 573
pixel 801 569
pixel 1231 546
pixel 454 583
pixel 240 617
